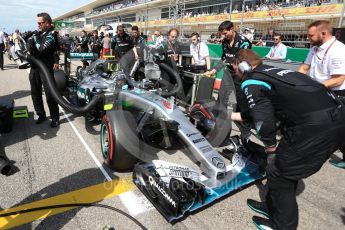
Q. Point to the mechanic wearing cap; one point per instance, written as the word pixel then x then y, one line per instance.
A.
pixel 232 43
pixel 43 45
pixel 326 64
pixel 311 132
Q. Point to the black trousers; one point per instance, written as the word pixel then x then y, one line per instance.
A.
pixel 301 152
pixel 2 48
pixel 36 95
pixel 342 94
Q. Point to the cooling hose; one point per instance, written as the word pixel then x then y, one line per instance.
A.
pixel 173 74
pixel 49 83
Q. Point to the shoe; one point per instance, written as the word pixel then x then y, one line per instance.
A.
pixel 262 223
pixel 337 163
pixel 41 119
pixel 259 207
pixel 54 123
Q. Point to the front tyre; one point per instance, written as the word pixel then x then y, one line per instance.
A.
pixel 115 155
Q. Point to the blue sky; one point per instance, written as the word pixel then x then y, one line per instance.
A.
pixel 21 14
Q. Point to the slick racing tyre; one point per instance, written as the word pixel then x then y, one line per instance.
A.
pixel 114 140
pixel 60 80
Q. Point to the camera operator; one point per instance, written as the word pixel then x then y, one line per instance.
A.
pixel 43 45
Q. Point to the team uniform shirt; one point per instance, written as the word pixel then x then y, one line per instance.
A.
pixel 121 45
pixel 278 94
pixel 44 46
pixel 229 52
pixel 277 52
pixel 138 40
pixel 327 60
pixel 84 41
pixel 95 44
pixel 199 53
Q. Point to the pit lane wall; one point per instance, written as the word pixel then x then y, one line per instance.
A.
pixel 295 56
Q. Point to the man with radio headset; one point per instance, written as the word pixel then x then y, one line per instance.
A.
pixel 311 132
pixel 200 53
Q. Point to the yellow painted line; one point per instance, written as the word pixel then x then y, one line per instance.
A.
pixel 90 194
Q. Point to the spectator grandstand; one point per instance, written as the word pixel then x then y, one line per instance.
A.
pixel 288 17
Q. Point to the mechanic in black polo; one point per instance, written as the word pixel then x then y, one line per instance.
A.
pixel 43 45
pixel 232 43
pixel 121 43
pixel 311 132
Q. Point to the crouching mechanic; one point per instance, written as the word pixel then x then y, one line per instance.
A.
pixel 311 132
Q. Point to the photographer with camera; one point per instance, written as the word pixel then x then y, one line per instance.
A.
pixel 43 44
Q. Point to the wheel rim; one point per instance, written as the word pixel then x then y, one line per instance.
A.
pixel 107 145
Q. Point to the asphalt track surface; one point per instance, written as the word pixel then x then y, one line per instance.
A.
pixel 59 165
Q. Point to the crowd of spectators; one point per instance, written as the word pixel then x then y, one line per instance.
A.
pixel 116 6
pixel 262 5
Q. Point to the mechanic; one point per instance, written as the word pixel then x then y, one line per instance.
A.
pixel 326 64
pixel 311 132
pixel 95 43
pixel 232 43
pixel 199 51
pixel 43 45
pixel 2 48
pixel 83 46
pixel 137 40
pixel 136 37
pixel 278 50
pixel 66 46
pixel 121 43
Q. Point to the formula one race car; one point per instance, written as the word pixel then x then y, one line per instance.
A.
pixel 141 117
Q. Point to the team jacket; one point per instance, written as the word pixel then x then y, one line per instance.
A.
pixel 229 52
pixel 95 44
pixel 121 45
pixel 139 40
pixel 44 47
pixel 84 44
pixel 286 96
